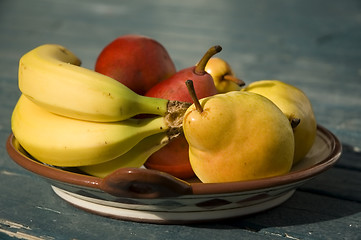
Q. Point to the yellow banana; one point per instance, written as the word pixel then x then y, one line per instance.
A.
pixel 51 76
pixel 135 157
pixel 63 141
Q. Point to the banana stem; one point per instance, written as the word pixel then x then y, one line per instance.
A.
pixel 150 105
pixel 201 65
pixel 174 117
pixel 192 92
pixel 234 79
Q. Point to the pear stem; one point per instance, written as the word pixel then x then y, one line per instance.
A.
pixel 295 122
pixel 231 78
pixel 201 65
pixel 192 92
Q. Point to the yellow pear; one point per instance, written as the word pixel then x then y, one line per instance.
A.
pixel 223 76
pixel 237 136
pixel 295 105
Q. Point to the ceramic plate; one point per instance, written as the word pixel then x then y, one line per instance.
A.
pixel 144 195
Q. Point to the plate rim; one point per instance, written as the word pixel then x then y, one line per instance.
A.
pixel 83 180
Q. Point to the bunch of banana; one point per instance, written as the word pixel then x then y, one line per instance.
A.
pixel 68 115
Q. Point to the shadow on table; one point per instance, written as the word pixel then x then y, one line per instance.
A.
pixel 332 195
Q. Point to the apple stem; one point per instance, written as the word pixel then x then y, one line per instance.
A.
pixel 192 92
pixel 201 65
pixel 231 78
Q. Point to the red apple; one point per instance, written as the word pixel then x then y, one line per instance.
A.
pixel 139 62
pixel 174 158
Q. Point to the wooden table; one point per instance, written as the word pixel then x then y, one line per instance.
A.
pixel 315 45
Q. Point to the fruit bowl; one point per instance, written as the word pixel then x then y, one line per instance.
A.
pixel 144 195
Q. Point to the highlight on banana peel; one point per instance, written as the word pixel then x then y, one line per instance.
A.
pixel 136 109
